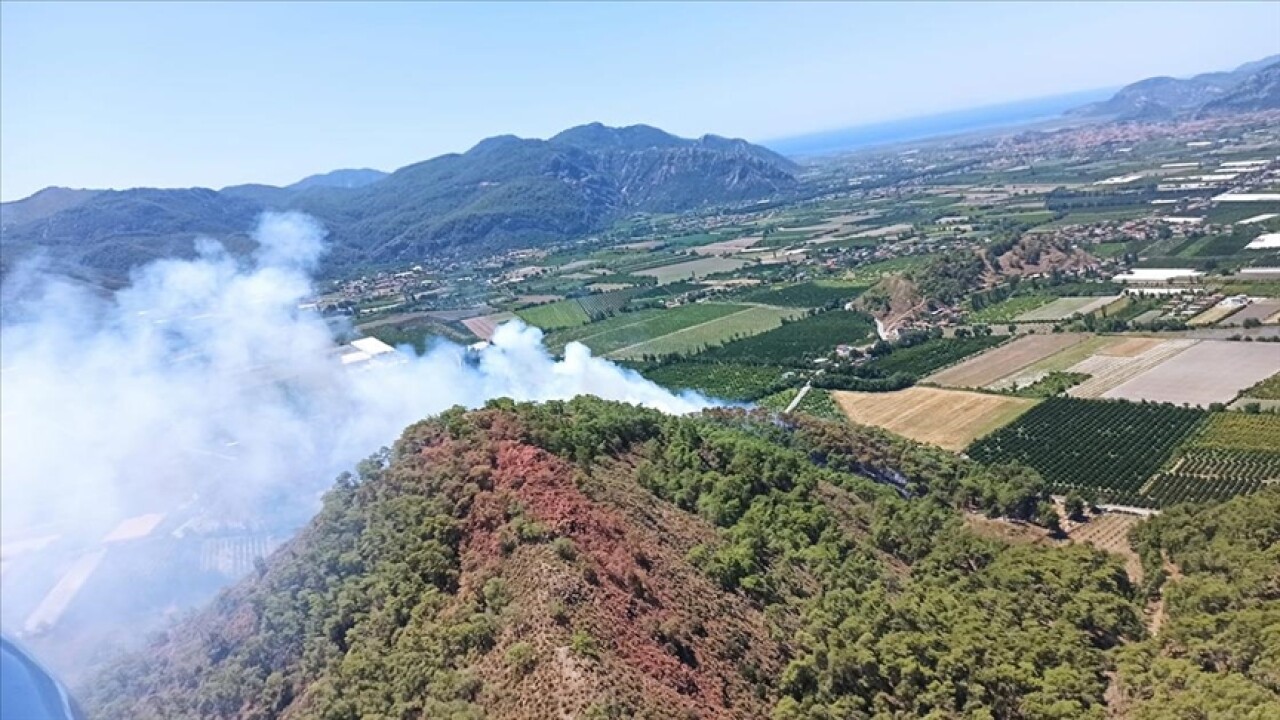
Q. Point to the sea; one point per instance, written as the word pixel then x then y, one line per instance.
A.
pixel 1022 112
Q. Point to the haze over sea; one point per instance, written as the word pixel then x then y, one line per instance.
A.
pixel 986 117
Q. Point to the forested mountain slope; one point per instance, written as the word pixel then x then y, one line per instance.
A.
pixel 504 192
pixel 1156 98
pixel 592 559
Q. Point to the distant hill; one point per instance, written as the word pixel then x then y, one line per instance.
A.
pixel 1259 91
pixel 41 205
pixel 504 192
pixel 340 179
pixel 1160 98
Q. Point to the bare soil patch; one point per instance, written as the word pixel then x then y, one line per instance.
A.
pixel 1210 371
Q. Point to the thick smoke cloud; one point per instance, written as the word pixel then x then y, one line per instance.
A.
pixel 203 379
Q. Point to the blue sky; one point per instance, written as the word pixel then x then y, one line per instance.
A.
pixel 101 95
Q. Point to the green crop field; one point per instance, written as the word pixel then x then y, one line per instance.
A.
pixel 555 315
pixel 627 329
pixel 925 358
pixel 746 322
pixel 1006 310
pixel 798 343
pixel 1108 447
pixel 805 295
pixel 727 381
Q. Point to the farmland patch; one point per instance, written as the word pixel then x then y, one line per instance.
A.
pixel 1110 448
pixel 628 329
pixel 1211 371
pixel 1108 371
pixel 483 327
pixel 692 269
pixel 799 342
pixel 1065 307
pixel 551 316
pixel 727 381
pixel 950 419
pixel 714 332
pixel 1005 360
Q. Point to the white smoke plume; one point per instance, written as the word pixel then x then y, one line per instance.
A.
pixel 204 379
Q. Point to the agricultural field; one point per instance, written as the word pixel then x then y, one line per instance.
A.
pixel 417 333
pixel 1268 389
pixel 931 355
pixel 868 274
pixel 1049 385
pixel 1005 360
pixel 1211 316
pixel 1109 448
pixel 816 402
pixel 1211 371
pixel 556 315
pixel 483 326
pixel 804 295
pixel 1066 307
pixel 1263 311
pixel 748 321
pixel 691 270
pixel 627 329
pixel 1058 362
pixel 1108 369
pixel 1009 308
pixel 950 419
pixel 1240 431
pixel 797 343
pixel 727 247
pixel 1224 213
pixel 1232 454
pixel 726 381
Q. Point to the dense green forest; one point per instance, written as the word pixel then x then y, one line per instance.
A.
pixel 594 559
pixel 1217 654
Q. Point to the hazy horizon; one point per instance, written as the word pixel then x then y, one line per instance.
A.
pixel 108 96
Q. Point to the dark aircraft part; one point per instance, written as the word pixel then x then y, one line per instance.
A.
pixel 28 692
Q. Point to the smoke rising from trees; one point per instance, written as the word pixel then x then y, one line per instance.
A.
pixel 204 380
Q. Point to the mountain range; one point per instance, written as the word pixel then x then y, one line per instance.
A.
pixel 504 192
pixel 1250 87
